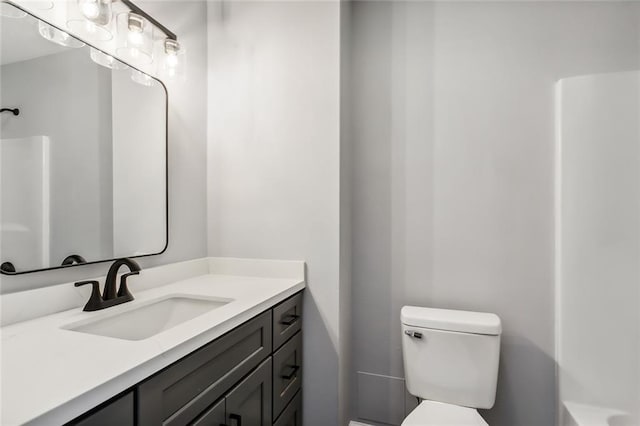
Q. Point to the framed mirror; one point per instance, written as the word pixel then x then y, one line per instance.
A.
pixel 83 151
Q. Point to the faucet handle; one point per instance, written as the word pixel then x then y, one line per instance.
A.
pixel 95 300
pixel 123 290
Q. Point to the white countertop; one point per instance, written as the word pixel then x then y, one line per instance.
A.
pixel 50 375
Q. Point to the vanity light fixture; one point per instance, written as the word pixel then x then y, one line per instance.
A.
pixel 136 38
pixel 174 61
pixel 96 11
pixel 95 20
pixel 136 34
pixel 57 36
pixel 107 61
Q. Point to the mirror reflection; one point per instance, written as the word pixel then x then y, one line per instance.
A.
pixel 82 151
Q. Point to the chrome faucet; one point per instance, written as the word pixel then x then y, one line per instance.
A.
pixel 110 297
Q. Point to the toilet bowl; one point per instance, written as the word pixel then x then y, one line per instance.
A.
pixel 451 362
pixel 433 413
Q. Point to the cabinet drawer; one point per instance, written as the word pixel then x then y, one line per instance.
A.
pixel 287 373
pixel 287 319
pixel 292 415
pixel 117 412
pixel 178 394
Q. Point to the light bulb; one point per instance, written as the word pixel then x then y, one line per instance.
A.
pixel 172 60
pixel 90 9
pixel 135 37
pixel 94 22
pixel 96 11
pixel 172 49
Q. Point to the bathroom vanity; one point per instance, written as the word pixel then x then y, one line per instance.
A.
pixel 207 342
pixel 249 376
pixel 237 363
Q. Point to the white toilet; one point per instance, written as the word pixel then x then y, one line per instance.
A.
pixel 451 363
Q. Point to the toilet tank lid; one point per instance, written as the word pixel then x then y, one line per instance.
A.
pixel 451 320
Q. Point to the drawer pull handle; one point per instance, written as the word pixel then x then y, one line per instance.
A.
pixel 289 319
pixel 237 418
pixel 294 370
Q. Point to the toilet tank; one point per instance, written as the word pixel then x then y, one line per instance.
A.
pixel 451 356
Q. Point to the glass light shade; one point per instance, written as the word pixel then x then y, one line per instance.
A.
pixel 174 62
pixel 142 78
pixel 8 11
pixel 89 30
pixel 135 35
pixel 56 36
pixel 105 60
pixel 97 11
pixel 38 4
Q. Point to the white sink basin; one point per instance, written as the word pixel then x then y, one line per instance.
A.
pixel 149 319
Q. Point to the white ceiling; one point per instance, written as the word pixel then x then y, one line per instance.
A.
pixel 20 40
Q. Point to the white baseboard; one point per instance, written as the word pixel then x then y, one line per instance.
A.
pixel 352 423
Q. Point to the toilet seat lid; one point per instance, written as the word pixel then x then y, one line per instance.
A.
pixel 432 413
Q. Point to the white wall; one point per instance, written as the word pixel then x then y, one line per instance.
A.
pixel 187 152
pixel 274 167
pixel 453 123
pixel 599 235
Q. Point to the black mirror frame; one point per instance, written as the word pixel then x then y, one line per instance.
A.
pixel 166 162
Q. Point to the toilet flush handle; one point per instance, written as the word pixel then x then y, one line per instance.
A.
pixel 412 333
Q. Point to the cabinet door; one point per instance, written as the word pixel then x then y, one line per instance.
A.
pixel 249 403
pixel 212 417
pixel 179 394
pixel 292 415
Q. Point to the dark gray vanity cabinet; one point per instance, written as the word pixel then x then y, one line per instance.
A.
pixel 251 376
pixel 287 377
pixel 287 320
pixel 247 404
pixel 119 411
pixel 214 416
pixel 183 391
pixel 292 415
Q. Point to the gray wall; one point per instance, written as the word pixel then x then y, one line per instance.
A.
pixel 346 194
pixel 79 165
pixel 453 142
pixel 139 193
pixel 274 150
pixel 187 153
